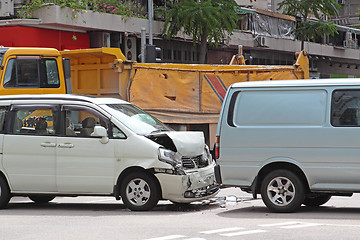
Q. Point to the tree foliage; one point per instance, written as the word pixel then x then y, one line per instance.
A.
pixel 320 9
pixel 204 20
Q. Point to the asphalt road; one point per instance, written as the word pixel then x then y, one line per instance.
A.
pixel 231 215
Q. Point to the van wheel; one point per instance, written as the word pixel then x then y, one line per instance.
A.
pixel 139 191
pixel 282 191
pixel 316 200
pixel 41 199
pixel 4 193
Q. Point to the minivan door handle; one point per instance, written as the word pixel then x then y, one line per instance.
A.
pixel 48 144
pixel 66 145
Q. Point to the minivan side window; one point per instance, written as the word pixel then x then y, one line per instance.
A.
pixel 3 111
pixel 81 121
pixel 345 108
pixel 33 120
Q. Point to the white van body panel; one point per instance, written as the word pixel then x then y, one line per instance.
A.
pixel 63 162
pixel 263 123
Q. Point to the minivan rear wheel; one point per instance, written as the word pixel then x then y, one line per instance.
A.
pixel 282 191
pixel 139 191
pixel 4 193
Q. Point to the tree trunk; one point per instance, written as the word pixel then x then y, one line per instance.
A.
pixel 203 48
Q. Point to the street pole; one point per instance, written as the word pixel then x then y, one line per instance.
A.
pixel 150 8
pixel 143 43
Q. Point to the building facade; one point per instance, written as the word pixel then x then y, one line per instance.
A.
pixel 263 31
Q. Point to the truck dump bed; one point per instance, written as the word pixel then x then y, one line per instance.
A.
pixel 175 93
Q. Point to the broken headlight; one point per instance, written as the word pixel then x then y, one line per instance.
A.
pixel 206 156
pixel 170 157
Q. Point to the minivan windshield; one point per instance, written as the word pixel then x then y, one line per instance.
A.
pixel 136 119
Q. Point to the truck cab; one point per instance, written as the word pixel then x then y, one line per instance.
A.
pixel 33 71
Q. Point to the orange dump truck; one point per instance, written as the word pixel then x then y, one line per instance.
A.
pixel 185 96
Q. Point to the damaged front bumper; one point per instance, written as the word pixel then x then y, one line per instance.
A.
pixel 196 184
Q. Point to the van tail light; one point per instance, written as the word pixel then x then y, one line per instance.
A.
pixel 217 147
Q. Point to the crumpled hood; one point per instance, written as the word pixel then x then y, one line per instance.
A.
pixel 188 143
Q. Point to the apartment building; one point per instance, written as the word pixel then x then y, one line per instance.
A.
pixel 264 32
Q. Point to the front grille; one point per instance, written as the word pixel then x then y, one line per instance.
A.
pixel 194 162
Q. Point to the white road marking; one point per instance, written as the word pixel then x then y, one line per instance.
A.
pixel 291 225
pixel 167 237
pixel 302 225
pixel 222 230
pixel 195 239
pixel 278 224
pixel 242 233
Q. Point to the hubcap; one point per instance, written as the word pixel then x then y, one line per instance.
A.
pixel 138 192
pixel 281 191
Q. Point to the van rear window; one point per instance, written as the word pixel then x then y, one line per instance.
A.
pixel 345 108
pixel 266 108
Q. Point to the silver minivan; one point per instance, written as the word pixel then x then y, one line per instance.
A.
pixel 69 145
pixel 293 142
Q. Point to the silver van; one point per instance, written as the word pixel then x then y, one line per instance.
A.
pixel 293 142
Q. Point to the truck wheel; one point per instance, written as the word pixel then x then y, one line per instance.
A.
pixel 316 200
pixel 41 198
pixel 139 191
pixel 282 191
pixel 4 193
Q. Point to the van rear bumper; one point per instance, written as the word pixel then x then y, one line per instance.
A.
pixel 217 174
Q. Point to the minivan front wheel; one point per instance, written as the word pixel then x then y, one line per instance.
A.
pixel 139 191
pixel 282 191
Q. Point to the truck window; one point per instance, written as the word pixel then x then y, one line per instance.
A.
pixel 345 108
pixel 31 72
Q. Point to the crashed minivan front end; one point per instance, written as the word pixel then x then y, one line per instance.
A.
pixel 192 176
pixel 179 161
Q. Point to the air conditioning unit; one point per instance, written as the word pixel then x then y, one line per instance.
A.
pixel 130 48
pixel 6 8
pixel 348 36
pixel 261 41
pixel 106 39
pixel 349 43
pixel 313 66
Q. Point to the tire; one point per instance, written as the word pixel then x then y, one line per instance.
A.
pixel 139 191
pixel 316 200
pixel 282 191
pixel 40 199
pixel 4 193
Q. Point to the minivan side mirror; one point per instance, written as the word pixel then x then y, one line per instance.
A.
pixel 100 131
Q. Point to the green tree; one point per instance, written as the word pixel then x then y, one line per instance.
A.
pixel 203 20
pixel 320 9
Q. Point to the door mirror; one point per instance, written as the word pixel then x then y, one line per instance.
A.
pixel 100 131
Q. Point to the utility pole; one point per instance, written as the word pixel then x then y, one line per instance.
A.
pixel 150 8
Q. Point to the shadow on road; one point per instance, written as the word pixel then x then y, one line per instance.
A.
pixel 323 212
pixel 60 208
